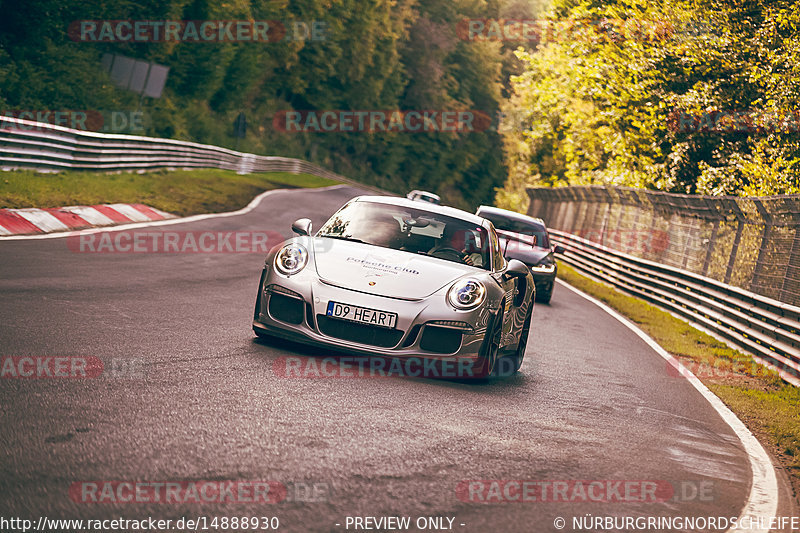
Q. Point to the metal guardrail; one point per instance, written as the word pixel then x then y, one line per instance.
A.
pixel 766 328
pixel 748 242
pixel 29 144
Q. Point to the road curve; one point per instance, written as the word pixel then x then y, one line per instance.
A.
pixel 593 402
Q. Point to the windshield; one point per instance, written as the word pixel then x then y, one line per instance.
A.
pixel 428 198
pixel 534 231
pixel 415 231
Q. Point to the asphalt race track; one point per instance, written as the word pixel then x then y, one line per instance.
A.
pixel 203 402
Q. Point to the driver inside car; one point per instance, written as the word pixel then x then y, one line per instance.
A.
pixel 452 246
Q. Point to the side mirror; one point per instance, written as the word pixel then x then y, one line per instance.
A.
pixel 516 269
pixel 302 226
pixel 559 249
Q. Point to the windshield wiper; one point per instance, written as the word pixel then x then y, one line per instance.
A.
pixel 343 238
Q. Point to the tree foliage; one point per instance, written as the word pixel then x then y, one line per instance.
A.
pixel 375 55
pixel 692 96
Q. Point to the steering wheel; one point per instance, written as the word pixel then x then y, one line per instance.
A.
pixel 451 254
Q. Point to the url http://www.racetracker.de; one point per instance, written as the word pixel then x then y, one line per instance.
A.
pixel 122 525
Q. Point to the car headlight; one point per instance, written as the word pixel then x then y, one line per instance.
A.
pixel 291 259
pixel 466 293
pixel 545 265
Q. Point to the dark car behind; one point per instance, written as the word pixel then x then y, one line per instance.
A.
pixel 526 239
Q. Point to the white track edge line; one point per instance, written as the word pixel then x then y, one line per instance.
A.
pixel 194 218
pixel 762 504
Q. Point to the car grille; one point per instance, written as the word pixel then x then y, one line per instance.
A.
pixel 361 333
pixel 285 308
pixel 440 340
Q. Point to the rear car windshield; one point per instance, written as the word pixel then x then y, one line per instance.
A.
pixel 504 224
pixel 411 230
pixel 428 198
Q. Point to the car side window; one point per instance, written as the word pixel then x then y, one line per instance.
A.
pixel 498 261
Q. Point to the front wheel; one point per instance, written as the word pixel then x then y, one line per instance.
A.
pixel 489 348
pixel 261 334
pixel 519 355
pixel 543 296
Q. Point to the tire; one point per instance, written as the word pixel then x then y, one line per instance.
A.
pixel 519 354
pixel 259 293
pixel 260 334
pixel 490 346
pixel 543 297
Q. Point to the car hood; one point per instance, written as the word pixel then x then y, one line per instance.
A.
pixel 383 271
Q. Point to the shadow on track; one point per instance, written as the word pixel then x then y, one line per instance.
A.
pixel 303 361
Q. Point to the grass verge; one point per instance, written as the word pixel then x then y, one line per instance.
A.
pixel 768 406
pixel 181 192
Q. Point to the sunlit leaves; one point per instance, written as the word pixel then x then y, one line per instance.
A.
pixel 601 101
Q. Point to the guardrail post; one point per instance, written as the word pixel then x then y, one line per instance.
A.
pixel 683 211
pixel 617 204
pixel 712 239
pixel 765 235
pixel 710 247
pixel 734 250
pixel 737 211
pixel 606 214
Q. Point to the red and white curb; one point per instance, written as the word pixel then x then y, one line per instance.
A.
pixel 37 221
pixel 167 220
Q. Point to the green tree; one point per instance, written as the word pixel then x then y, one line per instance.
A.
pixel 604 98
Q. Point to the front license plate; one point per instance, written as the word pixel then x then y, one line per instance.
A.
pixel 362 315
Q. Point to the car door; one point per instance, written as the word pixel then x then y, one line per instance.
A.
pixel 510 303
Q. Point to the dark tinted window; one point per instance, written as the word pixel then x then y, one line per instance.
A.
pixel 504 224
pixel 411 230
pixel 426 198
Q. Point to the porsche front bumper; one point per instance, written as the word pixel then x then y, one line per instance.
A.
pixel 295 309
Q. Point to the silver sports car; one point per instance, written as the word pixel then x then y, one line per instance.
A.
pixel 392 277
